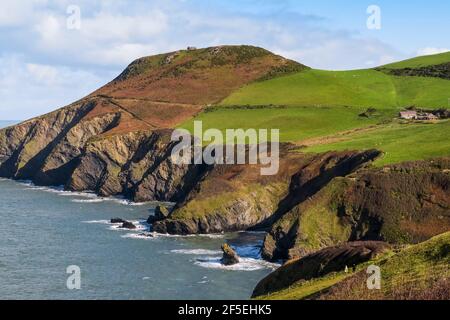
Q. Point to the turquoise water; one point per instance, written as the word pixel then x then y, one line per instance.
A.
pixel 45 230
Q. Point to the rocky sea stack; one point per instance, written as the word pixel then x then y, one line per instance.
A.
pixel 230 256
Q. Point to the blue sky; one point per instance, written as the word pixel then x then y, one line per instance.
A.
pixel 45 65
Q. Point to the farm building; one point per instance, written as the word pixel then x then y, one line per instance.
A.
pixel 414 115
pixel 426 116
pixel 408 115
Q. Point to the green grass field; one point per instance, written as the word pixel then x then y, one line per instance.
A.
pixel 399 142
pixel 359 88
pixel 419 62
pixel 314 103
pixel 295 123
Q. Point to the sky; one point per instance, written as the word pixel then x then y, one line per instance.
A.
pixel 55 52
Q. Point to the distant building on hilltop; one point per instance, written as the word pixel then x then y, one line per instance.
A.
pixel 191 48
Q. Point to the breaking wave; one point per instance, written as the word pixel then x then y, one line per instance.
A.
pixel 141 225
pixel 90 195
pixel 245 264
pixel 197 251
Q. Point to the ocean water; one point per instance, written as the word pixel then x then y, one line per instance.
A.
pixel 45 230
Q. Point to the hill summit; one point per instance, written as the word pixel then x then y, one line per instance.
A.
pixel 197 76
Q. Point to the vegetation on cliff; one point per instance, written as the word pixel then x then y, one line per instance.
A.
pixel 418 271
pixel 406 203
pixel 116 141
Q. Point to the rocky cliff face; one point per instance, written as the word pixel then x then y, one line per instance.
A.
pixel 232 198
pixel 319 264
pixel 405 203
pixel 413 272
pixel 117 142
pixel 81 148
pixel 26 146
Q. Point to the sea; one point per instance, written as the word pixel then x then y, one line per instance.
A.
pixel 48 236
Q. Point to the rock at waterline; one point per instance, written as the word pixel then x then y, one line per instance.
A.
pixel 230 257
pixel 128 225
pixel 161 213
pixel 147 235
pixel 117 220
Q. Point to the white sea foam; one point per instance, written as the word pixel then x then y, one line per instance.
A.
pixel 31 186
pixel 87 200
pixel 245 264
pixel 86 194
pixel 197 251
pixel 212 236
pixel 142 235
pixel 97 221
pixel 78 194
pixel 203 282
pixel 93 198
pixel 141 225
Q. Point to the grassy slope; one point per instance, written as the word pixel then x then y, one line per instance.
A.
pixel 414 268
pixel 400 142
pixel 320 88
pixel 359 88
pixel 419 62
pixel 316 103
pixel 165 90
pixel 295 123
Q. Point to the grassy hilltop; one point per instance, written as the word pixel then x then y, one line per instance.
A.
pixel 323 109
pixel 424 61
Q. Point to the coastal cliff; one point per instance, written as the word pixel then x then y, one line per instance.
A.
pixel 117 142
pixel 406 203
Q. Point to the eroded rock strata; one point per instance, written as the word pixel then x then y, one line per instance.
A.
pixel 117 141
pixel 404 203
pixel 237 197
pixel 315 200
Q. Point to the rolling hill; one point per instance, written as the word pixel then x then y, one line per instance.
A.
pixel 229 87
pixel 419 62
pixel 318 109
pixel 349 169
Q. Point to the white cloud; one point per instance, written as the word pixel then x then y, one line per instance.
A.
pixel 430 51
pixel 16 13
pixel 104 39
pixel 343 52
pixel 50 29
pixel 57 65
pixel 42 73
pixel 120 54
pixel 29 89
pixel 107 26
pixel 114 35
